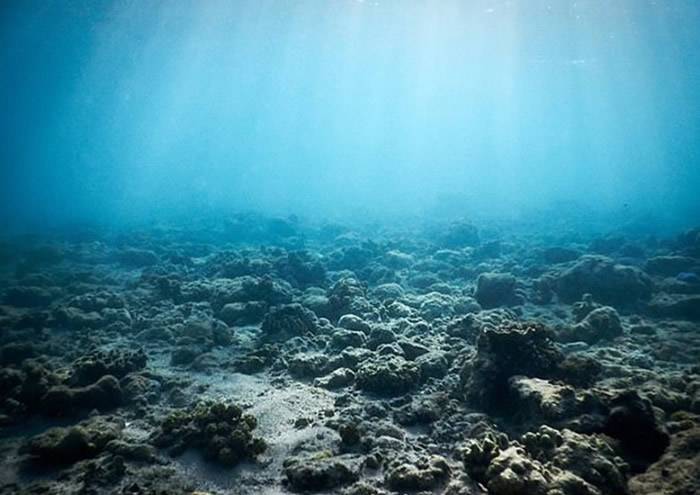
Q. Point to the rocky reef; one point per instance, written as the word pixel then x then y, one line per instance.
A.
pixel 274 355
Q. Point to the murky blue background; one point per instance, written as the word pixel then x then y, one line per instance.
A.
pixel 133 110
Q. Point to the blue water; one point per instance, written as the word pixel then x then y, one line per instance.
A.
pixel 118 111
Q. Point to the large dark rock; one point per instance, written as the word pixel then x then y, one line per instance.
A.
pixel 388 375
pixel 502 352
pixel 287 321
pixel 61 446
pixel 103 395
pixel 118 363
pixel 678 470
pixel 606 281
pixel 496 289
pixel 243 313
pixel 302 269
pixel 634 423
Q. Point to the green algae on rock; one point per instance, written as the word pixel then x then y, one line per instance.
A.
pixel 222 432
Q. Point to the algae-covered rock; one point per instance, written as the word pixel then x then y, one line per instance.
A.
pixel 502 352
pixel 66 445
pixel 307 365
pixel 538 399
pixel 77 319
pixel 314 473
pixel 422 476
pixel 348 296
pixel 248 289
pixel 103 395
pixel 589 457
pixel 388 375
pixel 355 323
pixel 342 339
pixel 602 323
pixel 118 363
pixel 287 321
pixel 512 472
pixel 222 432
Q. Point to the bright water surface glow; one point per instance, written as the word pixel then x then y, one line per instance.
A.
pixel 122 110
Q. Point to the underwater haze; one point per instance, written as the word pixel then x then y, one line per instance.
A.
pixel 350 247
pixel 123 111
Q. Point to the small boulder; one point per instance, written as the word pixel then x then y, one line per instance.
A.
pixel 388 375
pixel 355 323
pixel 602 323
pixel 633 421
pixel 342 377
pixel 607 281
pixel 317 473
pixel 496 289
pixel 287 321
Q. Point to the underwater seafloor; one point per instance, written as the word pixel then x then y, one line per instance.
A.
pixel 262 355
